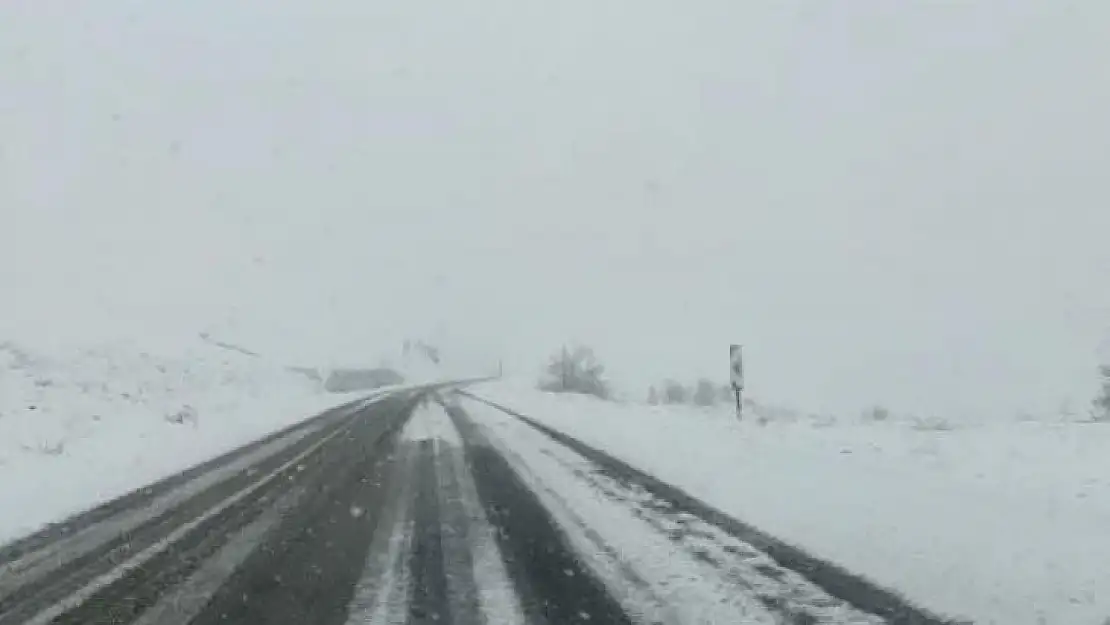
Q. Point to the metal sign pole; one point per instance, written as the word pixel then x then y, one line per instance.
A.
pixel 736 375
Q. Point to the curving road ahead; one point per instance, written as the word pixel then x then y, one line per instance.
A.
pixel 421 507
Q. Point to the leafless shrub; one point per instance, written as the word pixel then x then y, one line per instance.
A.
pixel 575 370
pixel 705 393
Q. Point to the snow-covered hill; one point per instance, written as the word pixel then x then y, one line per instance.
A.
pixel 80 423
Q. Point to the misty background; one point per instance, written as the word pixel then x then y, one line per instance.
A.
pixel 889 203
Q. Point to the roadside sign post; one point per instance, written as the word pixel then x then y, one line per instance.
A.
pixel 736 376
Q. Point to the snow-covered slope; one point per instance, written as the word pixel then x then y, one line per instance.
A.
pixel 418 366
pixel 81 424
pixel 1003 523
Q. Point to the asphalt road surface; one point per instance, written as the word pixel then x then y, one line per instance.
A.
pixel 412 509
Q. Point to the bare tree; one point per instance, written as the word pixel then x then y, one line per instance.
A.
pixel 575 370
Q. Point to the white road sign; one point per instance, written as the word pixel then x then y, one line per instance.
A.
pixel 737 369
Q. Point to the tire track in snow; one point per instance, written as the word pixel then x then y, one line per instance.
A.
pixel 470 544
pixel 184 602
pixel 381 594
pixel 553 583
pixel 434 558
pixel 306 570
pixel 429 603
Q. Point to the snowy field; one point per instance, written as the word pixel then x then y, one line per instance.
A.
pixel 80 425
pixel 1001 524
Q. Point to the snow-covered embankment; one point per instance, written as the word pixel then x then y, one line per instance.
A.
pixel 80 425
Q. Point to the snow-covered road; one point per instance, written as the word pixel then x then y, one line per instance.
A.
pixel 421 506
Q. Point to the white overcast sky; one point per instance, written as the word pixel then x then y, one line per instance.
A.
pixel 894 202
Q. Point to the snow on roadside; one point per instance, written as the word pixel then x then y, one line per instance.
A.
pixel 641 554
pixel 80 425
pixel 1000 523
